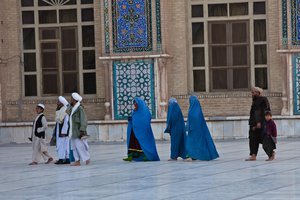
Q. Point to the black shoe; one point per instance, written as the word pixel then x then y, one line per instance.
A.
pixel 59 162
pixel 30 139
pixel 67 161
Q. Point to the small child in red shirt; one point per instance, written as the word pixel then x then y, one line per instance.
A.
pixel 270 140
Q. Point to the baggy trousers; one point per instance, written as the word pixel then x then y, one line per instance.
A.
pixel 255 138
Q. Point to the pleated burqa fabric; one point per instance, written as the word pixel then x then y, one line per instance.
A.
pixel 200 144
pixel 176 129
pixel 141 125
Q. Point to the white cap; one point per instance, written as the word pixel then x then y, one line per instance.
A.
pixel 41 105
pixel 76 96
pixel 257 89
pixel 63 100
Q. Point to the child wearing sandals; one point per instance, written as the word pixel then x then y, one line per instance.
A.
pixel 269 142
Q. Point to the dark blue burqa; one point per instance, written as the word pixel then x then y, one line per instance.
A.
pixel 141 126
pixel 176 128
pixel 200 144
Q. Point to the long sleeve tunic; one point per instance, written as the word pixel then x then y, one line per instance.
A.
pixel 271 128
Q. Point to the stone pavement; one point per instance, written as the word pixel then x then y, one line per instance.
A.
pixel 108 177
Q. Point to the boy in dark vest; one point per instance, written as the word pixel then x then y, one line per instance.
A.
pixel 38 137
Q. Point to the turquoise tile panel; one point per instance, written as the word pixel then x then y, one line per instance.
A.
pixel 133 79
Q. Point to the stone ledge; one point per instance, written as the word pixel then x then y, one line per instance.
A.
pixel 130 57
pixel 52 101
pixel 220 127
pixel 213 95
pixel 153 121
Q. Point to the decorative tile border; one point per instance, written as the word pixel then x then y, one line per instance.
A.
pixel 284 24
pixel 106 27
pixel 158 26
pixel 296 84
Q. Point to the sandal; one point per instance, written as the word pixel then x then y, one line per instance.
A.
pixel 49 161
pixel 76 163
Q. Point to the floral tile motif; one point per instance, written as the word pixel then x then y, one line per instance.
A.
pixel 133 79
pixel 295 20
pixel 132 25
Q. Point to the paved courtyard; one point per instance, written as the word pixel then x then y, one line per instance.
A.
pixel 108 177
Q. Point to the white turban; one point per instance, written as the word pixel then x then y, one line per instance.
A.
pixel 41 105
pixel 257 89
pixel 76 96
pixel 62 100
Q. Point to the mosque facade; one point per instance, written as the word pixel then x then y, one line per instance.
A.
pixel 110 51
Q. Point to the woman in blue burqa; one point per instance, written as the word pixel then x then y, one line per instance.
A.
pixel 176 129
pixel 199 145
pixel 140 139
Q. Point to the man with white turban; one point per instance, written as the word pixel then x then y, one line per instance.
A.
pixel 39 146
pixel 257 90
pixel 62 131
pixel 260 105
pixel 77 133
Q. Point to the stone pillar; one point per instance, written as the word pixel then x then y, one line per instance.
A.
pixel 108 99
pixel 287 81
pixel 285 104
pixel 163 88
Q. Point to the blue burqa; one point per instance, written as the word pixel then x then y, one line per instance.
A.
pixel 141 126
pixel 176 128
pixel 200 144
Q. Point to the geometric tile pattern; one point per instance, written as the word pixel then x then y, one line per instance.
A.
pixel 132 79
pixel 296 66
pixel 131 24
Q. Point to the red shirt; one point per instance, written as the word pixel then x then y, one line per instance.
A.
pixel 271 128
